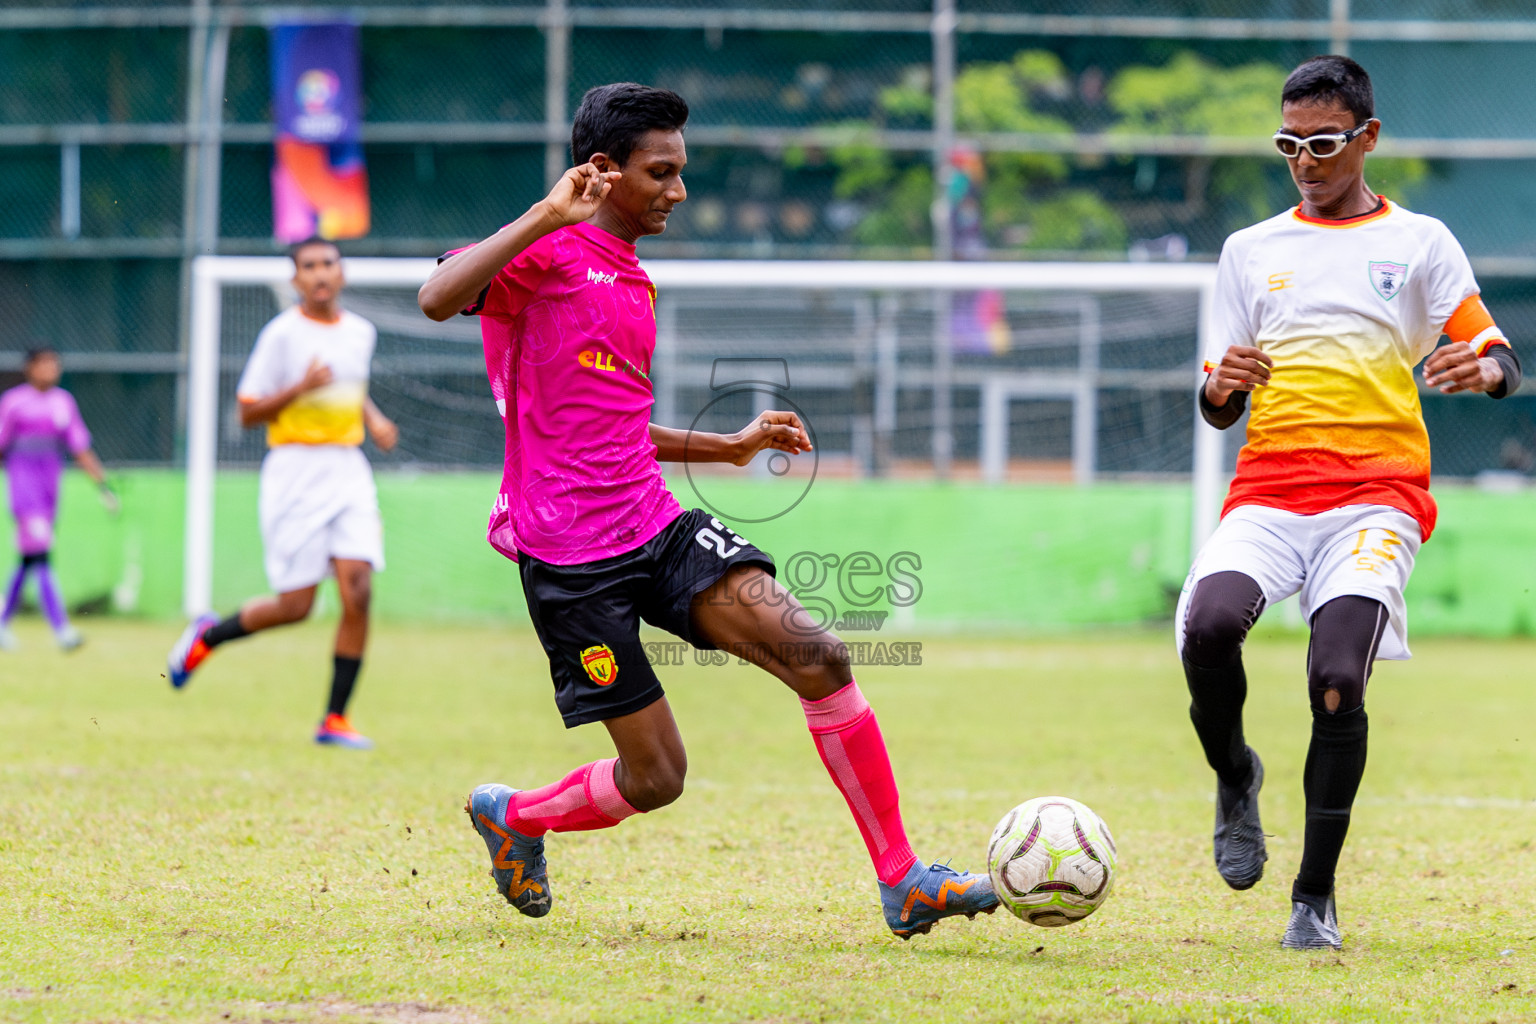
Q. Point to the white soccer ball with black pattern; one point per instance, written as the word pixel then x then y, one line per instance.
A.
pixel 1052 861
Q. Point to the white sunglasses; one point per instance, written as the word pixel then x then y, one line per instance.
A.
pixel 1320 146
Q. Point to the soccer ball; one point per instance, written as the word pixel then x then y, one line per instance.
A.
pixel 1052 861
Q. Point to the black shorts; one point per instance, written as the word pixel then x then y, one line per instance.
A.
pixel 588 615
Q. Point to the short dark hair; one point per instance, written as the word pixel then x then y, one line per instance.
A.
pixel 612 118
pixel 1330 77
pixel 39 352
pixel 298 247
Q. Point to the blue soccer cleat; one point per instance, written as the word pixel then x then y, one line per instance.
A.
pixel 517 862
pixel 189 651
pixel 336 731
pixel 930 893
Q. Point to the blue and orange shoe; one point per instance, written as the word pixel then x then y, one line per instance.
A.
pixel 931 892
pixel 517 861
pixel 336 731
pixel 190 651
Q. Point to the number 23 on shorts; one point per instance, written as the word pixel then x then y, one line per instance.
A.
pixel 710 539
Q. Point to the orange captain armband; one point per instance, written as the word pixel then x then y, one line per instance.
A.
pixel 1473 324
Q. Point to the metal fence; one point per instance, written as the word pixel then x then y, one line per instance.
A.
pixel 134 135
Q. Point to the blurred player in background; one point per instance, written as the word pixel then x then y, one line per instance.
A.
pixel 40 426
pixel 569 326
pixel 1321 313
pixel 307 380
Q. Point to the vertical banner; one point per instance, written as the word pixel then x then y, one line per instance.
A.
pixel 319 183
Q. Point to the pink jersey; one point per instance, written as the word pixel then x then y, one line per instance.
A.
pixel 569 327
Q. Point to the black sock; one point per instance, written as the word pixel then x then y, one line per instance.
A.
pixel 1335 765
pixel 343 679
pixel 229 629
pixel 1216 709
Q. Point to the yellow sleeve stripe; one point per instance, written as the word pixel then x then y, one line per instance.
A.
pixel 1489 338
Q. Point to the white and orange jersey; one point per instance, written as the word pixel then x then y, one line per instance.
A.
pixel 332 414
pixel 1346 309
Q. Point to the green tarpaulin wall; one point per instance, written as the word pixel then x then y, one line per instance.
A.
pixel 933 556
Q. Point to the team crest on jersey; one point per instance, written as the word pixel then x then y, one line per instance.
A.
pixel 1387 279
pixel 598 661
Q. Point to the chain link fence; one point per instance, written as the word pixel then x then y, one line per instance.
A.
pixel 1080 129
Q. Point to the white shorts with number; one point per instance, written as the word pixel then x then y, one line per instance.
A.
pixel 318 502
pixel 1361 550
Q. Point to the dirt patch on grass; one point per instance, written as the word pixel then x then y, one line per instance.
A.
pixel 357 1013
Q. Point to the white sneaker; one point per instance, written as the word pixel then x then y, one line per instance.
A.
pixel 7 639
pixel 69 638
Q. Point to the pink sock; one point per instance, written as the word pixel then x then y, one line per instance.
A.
pixel 849 742
pixel 586 799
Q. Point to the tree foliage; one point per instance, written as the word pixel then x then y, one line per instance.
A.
pixel 1027 199
pixel 1191 96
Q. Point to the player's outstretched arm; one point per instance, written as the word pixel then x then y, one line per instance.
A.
pixel 256 411
pixel 88 462
pixel 781 431
pixel 380 427
pixel 460 279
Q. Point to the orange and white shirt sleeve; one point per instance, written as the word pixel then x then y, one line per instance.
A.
pixel 1473 324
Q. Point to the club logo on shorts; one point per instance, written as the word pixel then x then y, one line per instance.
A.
pixel 1387 279
pixel 598 661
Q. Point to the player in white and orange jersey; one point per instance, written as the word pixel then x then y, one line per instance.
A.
pixel 1321 314
pixel 307 380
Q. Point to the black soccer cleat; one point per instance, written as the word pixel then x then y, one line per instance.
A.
pixel 1239 839
pixel 1314 923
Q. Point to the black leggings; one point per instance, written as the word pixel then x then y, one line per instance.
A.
pixel 1346 633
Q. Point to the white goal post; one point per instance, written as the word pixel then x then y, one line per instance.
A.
pixel 211 273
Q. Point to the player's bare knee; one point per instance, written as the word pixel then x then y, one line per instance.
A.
pixel 822 668
pixel 295 606
pixel 825 655
pixel 359 596
pixel 837 659
pixel 1336 691
pixel 656 786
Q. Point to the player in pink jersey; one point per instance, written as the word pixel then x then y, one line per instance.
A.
pixel 569 325
pixel 40 426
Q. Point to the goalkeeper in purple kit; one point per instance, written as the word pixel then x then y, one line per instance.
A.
pixel 40 426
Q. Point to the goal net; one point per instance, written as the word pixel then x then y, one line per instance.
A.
pixel 1006 374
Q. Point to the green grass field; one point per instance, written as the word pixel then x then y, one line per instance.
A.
pixel 193 857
